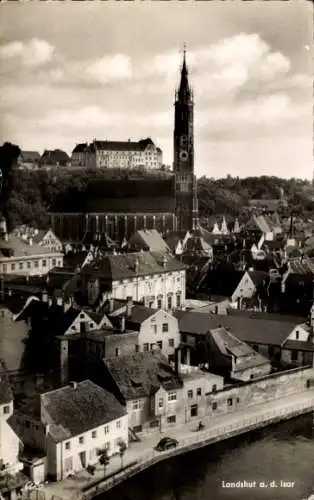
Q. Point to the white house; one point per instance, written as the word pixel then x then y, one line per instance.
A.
pixel 154 279
pixel 43 237
pixel 70 425
pixel 158 329
pixel 19 254
pixel 248 285
pixel 9 440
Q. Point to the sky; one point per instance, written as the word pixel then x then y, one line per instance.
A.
pixel 72 72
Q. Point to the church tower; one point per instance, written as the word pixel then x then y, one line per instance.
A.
pixel 183 165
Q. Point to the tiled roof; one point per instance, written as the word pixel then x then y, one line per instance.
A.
pixel 139 315
pixel 54 157
pixel 30 156
pixel 21 248
pixel 149 239
pixel 258 277
pixel 229 344
pixel 296 320
pixel 141 374
pixel 71 411
pixel 123 266
pixel 123 145
pixel 251 330
pixel 6 394
pixel 298 345
pixel 80 148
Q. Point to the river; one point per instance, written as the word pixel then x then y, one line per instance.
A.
pixel 283 452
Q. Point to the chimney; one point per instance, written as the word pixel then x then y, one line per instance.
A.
pixel 129 305
pixel 30 241
pixel 73 385
pixel 47 429
pixel 122 324
pixel 136 265
pixel 178 355
pixel 59 301
pixel 164 261
pixel 44 297
pixel 111 304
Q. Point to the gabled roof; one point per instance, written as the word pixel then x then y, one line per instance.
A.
pixel 17 247
pixel 76 409
pixel 139 314
pixel 149 239
pixel 228 344
pixel 30 156
pixel 141 374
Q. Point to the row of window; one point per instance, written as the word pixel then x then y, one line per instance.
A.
pixel 229 403
pixel 93 435
pixel 28 265
pixel 149 347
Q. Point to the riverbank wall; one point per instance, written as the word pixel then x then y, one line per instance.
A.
pixel 236 426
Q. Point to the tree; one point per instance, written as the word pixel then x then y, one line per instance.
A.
pixel 104 458
pixel 122 450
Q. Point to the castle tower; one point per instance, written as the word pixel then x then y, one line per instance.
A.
pixel 183 165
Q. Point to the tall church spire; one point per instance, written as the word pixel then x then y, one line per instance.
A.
pixel 184 92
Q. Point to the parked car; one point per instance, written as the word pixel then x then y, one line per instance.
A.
pixel 166 443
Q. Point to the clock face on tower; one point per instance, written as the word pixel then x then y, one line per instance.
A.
pixel 184 155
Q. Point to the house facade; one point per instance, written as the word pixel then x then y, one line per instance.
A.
pixel 70 425
pixel 157 329
pixel 153 279
pixel 158 395
pixel 41 237
pixel 123 154
pixel 9 440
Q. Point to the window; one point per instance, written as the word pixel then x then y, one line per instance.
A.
pixel 294 355
pixel 136 404
pixel 297 335
pixel 68 445
pixel 13 267
pixel 190 394
pixel 199 391
pixel 154 329
pixel 4 268
pixel 178 300
pixel 21 265
pixel 230 402
pixel 171 342
pixel 81 440
pixel 27 424
pixel 152 347
pixel 36 263
pixel 107 445
pixel 169 302
pixel 154 423
pixel 6 409
pixel 82 315
pixel 118 351
pixel 137 348
pixel 159 344
pixel 106 429
pixel 165 328
pixel 214 388
pixel 194 411
pixel 54 262
pixel 160 403
pixel 91 325
pixel 28 265
pixel 171 419
pixel 92 453
pixel 146 347
pixel 44 263
pixel 118 424
pixel 94 434
pixel 159 303
pixel 172 396
pixel 214 406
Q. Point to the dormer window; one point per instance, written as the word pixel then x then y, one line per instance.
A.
pixel 6 409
